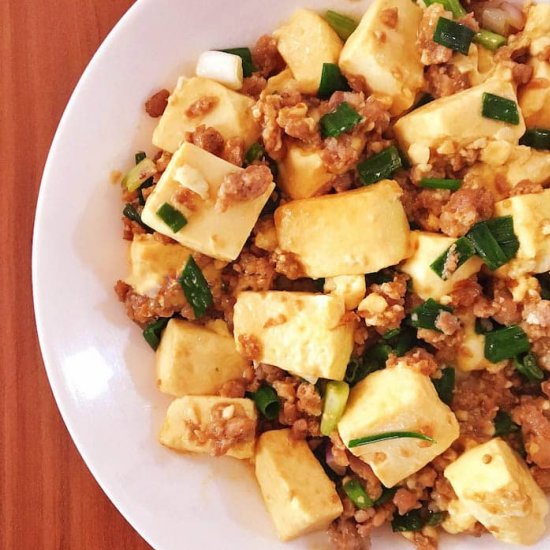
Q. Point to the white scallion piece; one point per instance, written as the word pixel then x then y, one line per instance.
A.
pixel 225 68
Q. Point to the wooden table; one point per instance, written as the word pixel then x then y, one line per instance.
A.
pixel 48 498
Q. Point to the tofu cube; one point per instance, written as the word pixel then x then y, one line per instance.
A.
pixel 397 399
pixel 298 494
pixel 351 233
pixel 426 248
pixel 531 214
pixel 471 353
pixel 151 262
pixel 537 28
pixel 389 66
pixel 231 114
pixel 305 43
pixel 300 332
pixel 282 82
pixel 188 419
pixel 350 288
pixel 217 234
pixel 495 486
pixel 453 122
pixel 534 97
pixel 195 359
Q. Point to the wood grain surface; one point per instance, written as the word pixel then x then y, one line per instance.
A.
pixel 48 498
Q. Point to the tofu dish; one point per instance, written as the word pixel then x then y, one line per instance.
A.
pixel 339 249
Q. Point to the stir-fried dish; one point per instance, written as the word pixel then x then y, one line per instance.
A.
pixel 339 249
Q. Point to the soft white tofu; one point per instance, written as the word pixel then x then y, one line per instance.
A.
pixel 450 123
pixel 531 215
pixel 534 97
pixel 397 399
pixel 478 65
pixel 389 66
pixel 217 234
pixel 282 82
pixel 305 43
pixel 193 413
pixel 350 288
pixel 151 262
pixel 195 359
pixel 351 233
pixel 537 28
pixel 495 486
pixel 458 519
pixel 426 248
pixel 298 494
pixel 300 332
pixel 231 115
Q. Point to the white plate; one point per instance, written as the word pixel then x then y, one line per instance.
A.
pixel 99 366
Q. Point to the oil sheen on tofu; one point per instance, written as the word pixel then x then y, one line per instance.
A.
pixel 397 399
pixel 298 494
pixel 495 486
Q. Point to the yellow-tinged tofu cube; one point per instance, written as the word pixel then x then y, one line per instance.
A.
pixel 397 399
pixel 284 81
pixel 217 234
pixel 450 123
pixel 306 42
pixel 151 262
pixel 534 97
pixel 351 233
pixel 196 360
pixel 537 28
pixel 495 486
pixel 391 65
pixel 192 421
pixel 531 215
pixel 298 494
pixel 478 65
pixel 350 288
pixel 426 248
pixel 300 332
pixel 458 519
pixel 231 114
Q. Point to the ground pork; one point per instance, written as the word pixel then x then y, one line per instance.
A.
pixel 296 123
pixel 526 187
pixel 339 155
pixel 536 323
pixel 207 138
pixel 234 388
pixel 389 17
pixel 405 501
pixel 426 206
pixel 156 104
pixel 202 106
pixel 288 264
pixel 521 73
pixel 444 80
pixel 187 198
pixel 246 185
pixel 250 272
pixel 533 415
pixel 251 347
pixel 432 53
pixel 343 535
pixel 417 359
pixel 266 56
pixel 233 151
pixel 254 85
pixel 465 293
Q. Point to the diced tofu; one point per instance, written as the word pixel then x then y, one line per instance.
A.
pixel 189 414
pixel 351 233
pixel 231 115
pixel 458 519
pixel 351 288
pixel 537 28
pixel 534 97
pixel 478 65
pixel 217 234
pixel 196 360
pixel 495 486
pixel 426 248
pixel 300 332
pixel 306 42
pixel 284 81
pixel 389 66
pixel 298 494
pixel 397 399
pixel 531 214
pixel 152 261
pixel 450 123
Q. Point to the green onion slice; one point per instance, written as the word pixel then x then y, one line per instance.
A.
pixel 386 436
pixel 453 35
pixel 445 385
pixel 391 334
pixel 380 166
pixel 538 138
pixel 424 100
pixel 435 518
pixel 411 521
pixel 139 156
pixel 343 119
pixel 342 24
pixel 440 183
pixel 489 40
pixel 426 314
pixel 332 80
pixel 528 367
pixel 336 397
pixel 505 343
pixel 172 217
pixel 255 152
pixel 386 496
pixel 131 213
pixel 499 108
pixel 357 494
pixel 195 287
pixel 140 173
pixel 454 6
pixel 504 424
pixel 267 401
pixel 153 331
pixel 462 248
pixel 246 55
pixel 544 281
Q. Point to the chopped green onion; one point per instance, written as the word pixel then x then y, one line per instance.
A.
pixel 131 213
pixel 425 315
pixel 173 218
pixel 504 424
pixel 505 343
pixel 538 138
pixel 343 119
pixel 332 80
pixel 544 281
pixel 336 397
pixel 453 35
pixel 502 229
pixel 267 402
pixel 411 521
pixel 424 100
pixel 440 183
pixel 499 108
pixel 139 156
pixel 386 496
pixel 255 152
pixel 246 55
pixel 391 334
pixel 139 173
pixel 490 40
pixel 386 436
pixel 152 332
pixel 404 342
pixel 445 385
pixel 453 6
pixel 195 287
pixel 462 248
pixel 342 24
pixel 357 494
pixel 380 166
pixel 528 367
pixel 435 518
